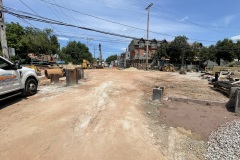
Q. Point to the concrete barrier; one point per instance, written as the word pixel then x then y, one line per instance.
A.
pixel 157 94
pixel 237 101
pixel 232 97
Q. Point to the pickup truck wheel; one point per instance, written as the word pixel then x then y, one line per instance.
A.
pixel 31 87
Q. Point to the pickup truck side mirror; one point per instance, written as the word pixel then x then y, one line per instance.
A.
pixel 16 65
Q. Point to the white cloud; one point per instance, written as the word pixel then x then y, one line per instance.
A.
pixel 123 49
pixel 63 38
pixel 184 18
pixel 235 38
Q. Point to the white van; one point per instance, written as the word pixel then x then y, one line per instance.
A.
pixel 16 80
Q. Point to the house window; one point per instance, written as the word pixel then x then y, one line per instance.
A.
pixel 153 45
pixel 141 45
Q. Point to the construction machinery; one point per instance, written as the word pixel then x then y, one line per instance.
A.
pixel 37 70
pixel 84 64
pixel 99 63
pixel 167 68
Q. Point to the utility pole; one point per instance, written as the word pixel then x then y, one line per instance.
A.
pixel 100 52
pixel 3 33
pixel 148 8
pixel 94 51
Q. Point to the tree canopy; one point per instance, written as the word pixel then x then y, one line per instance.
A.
pixel 162 51
pixel 40 41
pixel 111 58
pixel 33 40
pixel 75 52
pixel 30 40
pixel 178 48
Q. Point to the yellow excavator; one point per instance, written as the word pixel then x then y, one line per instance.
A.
pixel 37 70
pixel 166 68
pixel 86 64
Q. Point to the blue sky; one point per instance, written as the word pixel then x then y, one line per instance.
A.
pixel 203 21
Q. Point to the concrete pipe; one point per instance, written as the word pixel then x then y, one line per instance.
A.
pixel 48 72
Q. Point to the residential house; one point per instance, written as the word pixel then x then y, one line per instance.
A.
pixel 122 61
pixel 137 52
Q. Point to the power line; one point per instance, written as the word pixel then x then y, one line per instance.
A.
pixel 102 40
pixel 35 13
pixel 105 19
pixel 186 22
pixel 62 23
pixel 120 23
pixel 61 15
pixel 50 21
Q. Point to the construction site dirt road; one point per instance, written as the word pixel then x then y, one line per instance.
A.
pixel 110 116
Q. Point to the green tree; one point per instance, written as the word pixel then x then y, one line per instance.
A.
pixel 237 49
pixel 75 52
pixel 178 49
pixel 14 33
pixel 162 51
pixel 224 50
pixel 193 53
pixel 40 41
pixel 54 44
pixel 111 58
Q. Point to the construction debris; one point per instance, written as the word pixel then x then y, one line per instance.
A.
pixel 182 71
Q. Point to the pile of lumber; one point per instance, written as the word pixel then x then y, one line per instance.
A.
pixel 225 86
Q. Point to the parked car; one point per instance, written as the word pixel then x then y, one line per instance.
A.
pixel 16 80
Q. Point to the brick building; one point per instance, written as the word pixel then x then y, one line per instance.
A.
pixel 137 52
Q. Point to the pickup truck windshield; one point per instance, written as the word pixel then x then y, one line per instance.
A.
pixel 4 65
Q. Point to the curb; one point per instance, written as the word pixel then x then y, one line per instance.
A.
pixel 197 101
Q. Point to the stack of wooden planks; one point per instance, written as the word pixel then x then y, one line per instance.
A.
pixel 225 86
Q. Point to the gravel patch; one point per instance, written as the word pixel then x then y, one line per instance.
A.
pixel 54 89
pixel 225 142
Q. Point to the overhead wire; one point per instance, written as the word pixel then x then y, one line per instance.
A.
pixel 51 21
pixel 99 18
pixel 43 19
pixel 186 22
pixel 36 13
pixel 61 14
pixel 132 26
pixel 74 16
pixel 103 40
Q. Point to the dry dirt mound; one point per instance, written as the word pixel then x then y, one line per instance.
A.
pixel 131 69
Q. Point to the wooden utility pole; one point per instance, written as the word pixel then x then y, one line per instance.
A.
pixel 3 33
pixel 94 51
pixel 148 8
pixel 100 53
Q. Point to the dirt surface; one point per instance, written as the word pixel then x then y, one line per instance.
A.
pixel 200 119
pixel 110 115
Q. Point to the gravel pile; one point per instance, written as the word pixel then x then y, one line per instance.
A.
pixel 225 142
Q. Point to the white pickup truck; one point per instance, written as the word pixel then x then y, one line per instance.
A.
pixel 16 80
